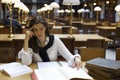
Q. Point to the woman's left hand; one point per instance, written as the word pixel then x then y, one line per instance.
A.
pixel 78 64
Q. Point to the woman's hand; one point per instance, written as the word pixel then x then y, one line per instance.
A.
pixel 29 34
pixel 78 64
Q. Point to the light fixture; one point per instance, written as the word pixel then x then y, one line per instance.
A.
pixel 49 8
pixel 54 5
pixel 20 7
pixel 107 2
pixel 97 9
pixel 9 4
pixel 70 3
pixel 117 9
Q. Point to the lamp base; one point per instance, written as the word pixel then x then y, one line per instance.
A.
pixel 11 35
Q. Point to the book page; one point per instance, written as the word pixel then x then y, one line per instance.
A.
pixel 15 69
pixel 10 65
pixel 74 73
pixel 52 64
pixel 50 74
pixel 64 63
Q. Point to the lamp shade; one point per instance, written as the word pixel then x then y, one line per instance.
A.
pixel 69 2
pixel 54 5
pixel 97 8
pixel 10 1
pixel 117 8
pixel 18 5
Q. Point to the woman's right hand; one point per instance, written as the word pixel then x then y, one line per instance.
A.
pixel 29 34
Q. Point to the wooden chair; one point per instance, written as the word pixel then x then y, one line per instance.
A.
pixel 99 43
pixel 70 44
pixel 55 31
pixel 90 53
pixel 66 30
pixel 118 54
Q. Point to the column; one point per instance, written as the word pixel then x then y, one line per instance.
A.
pixel 1 11
pixel 34 7
pixel 102 14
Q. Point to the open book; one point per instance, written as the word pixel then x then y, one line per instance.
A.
pixel 15 69
pixel 58 72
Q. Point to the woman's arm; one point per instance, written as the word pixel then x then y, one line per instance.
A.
pixel 26 53
pixel 73 60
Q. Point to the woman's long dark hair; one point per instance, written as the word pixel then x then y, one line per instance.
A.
pixel 40 19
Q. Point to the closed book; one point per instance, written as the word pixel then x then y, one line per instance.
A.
pixel 105 64
pixel 103 72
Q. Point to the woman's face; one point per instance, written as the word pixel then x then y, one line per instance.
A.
pixel 39 30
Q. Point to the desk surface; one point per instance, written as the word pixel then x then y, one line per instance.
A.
pixel 22 77
pixel 86 23
pixel 83 37
pixel 60 27
pixel 106 27
pixel 78 37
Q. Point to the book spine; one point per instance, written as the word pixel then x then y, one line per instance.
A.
pixel 33 76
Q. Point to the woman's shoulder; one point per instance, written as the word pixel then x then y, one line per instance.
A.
pixel 56 37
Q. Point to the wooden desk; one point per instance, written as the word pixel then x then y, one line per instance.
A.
pixel 63 30
pixel 106 30
pixel 22 77
pixel 79 38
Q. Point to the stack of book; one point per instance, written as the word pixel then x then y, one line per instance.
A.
pixel 104 69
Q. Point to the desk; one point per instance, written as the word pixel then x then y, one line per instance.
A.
pixel 79 38
pixel 86 27
pixel 106 30
pixel 63 30
pixel 22 77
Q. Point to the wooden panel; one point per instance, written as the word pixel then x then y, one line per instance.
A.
pixel 7 51
pixel 7 55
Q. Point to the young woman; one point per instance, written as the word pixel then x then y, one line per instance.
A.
pixel 39 45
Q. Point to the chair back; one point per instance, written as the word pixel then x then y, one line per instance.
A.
pixel 99 43
pixel 69 43
pixel 90 53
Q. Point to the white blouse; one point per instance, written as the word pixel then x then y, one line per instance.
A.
pixel 57 47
